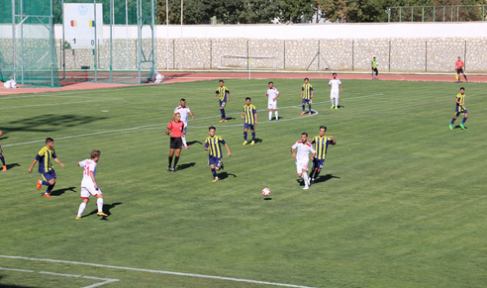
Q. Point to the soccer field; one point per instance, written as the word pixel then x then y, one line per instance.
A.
pixel 400 202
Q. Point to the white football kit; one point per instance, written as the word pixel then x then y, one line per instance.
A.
pixel 302 155
pixel 334 93
pixel 272 93
pixel 10 84
pixel 183 111
pixel 87 184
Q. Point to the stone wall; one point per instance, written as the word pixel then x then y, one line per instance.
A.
pixel 395 54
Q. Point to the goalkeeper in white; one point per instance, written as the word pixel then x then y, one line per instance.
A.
pixel 88 184
pixel 302 157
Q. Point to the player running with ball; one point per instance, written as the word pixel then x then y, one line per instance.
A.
pixel 88 184
pixel 302 157
pixel 213 145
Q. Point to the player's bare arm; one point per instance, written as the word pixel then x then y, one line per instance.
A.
pixel 92 175
pixel 242 116
pixel 457 100
pixel 32 166
pixel 294 153
pixel 228 98
pixel 313 93
pixel 190 113
pixel 59 162
pixel 228 150
pixel 255 116
pixel 274 99
pixel 301 94
pixel 168 132
pixel 333 140
pixel 341 88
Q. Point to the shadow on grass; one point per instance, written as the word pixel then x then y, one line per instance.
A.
pixel 4 138
pixel 106 210
pixel 225 175
pixel 49 122
pixel 12 165
pixel 194 142
pixel 185 166
pixel 268 198
pixel 458 127
pixel 60 192
pixel 320 179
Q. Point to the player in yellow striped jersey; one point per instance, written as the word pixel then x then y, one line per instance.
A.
pixel 460 101
pixel 249 116
pixel 223 95
pixel 321 146
pixel 213 145
pixel 308 92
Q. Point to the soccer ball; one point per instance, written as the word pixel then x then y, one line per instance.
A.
pixel 266 192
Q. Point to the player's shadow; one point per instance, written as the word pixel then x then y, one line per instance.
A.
pixel 325 178
pixel 12 165
pixel 186 165
pixel 231 118
pixel 225 175
pixel 106 210
pixel 258 140
pixel 49 122
pixel 13 286
pixel 60 192
pixel 340 106
pixel 4 138
pixel 458 127
pixel 194 142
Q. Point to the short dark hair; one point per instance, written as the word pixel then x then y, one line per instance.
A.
pixel 182 99
pixel 461 88
pixel 271 82
pixel 306 79
pixel 49 139
pixel 211 127
pixel 323 127
pixel 248 98
pixel 95 153
pixel 334 73
pixel 304 133
pixel 221 81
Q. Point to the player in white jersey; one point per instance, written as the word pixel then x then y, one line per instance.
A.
pixel 334 95
pixel 302 157
pixel 10 84
pixel 272 93
pixel 183 110
pixel 88 184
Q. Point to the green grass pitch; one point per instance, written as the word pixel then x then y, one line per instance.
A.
pixel 401 201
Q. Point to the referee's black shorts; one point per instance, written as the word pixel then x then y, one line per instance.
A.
pixel 374 70
pixel 460 71
pixel 176 143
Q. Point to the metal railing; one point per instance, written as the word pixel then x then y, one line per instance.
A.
pixel 450 13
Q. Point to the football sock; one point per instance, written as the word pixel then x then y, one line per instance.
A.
pixel 170 161
pixel 465 76
pixel 223 113
pixel 305 178
pixel 453 121
pixel 277 115
pixel 253 134
pixel 336 100
pixel 245 136
pixel 184 140
pixel 332 102
pixel 3 160
pixel 81 208
pixel 99 203
pixel 45 183
pixel 312 173
pixel 49 188
pixel 176 159
pixel 317 174
pixel 464 119
pixel 213 170
pixel 303 107
pixel 309 108
pixel 270 115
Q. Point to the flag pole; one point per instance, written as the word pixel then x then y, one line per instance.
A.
pixel 250 67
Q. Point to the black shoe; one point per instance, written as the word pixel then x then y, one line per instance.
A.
pixel 312 181
pixel 169 169
pixel 173 169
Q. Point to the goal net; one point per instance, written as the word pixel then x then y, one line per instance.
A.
pixel 244 62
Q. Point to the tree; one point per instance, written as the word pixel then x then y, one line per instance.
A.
pixel 297 10
pixel 258 11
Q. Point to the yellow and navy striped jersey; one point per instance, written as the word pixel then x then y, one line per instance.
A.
pixel 462 100
pixel 222 92
pixel 45 157
pixel 250 112
pixel 307 88
pixel 215 147
pixel 321 146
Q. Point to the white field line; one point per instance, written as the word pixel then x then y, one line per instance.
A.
pixel 160 124
pixel 154 271
pixel 105 280
pixel 65 103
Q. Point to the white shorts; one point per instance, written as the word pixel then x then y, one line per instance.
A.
pixel 334 95
pixel 272 105
pixel 301 165
pixel 87 190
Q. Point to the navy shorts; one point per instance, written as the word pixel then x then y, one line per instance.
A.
pixel 49 175
pixel 215 161
pixel 318 164
pixel 247 126
pixel 306 101
pixel 223 102
pixel 1 151
pixel 459 111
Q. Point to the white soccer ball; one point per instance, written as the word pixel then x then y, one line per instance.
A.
pixel 266 192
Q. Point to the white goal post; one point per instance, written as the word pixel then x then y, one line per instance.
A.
pixel 241 62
